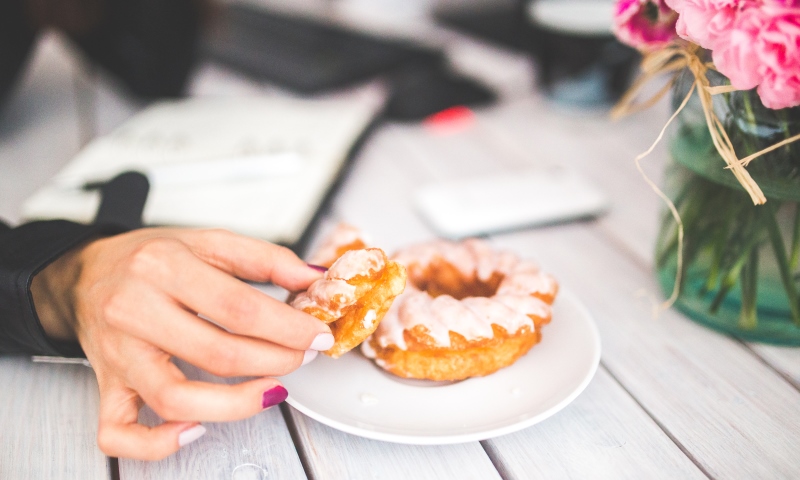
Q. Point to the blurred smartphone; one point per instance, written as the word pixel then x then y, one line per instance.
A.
pixel 496 203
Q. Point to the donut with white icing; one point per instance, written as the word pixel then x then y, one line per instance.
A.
pixel 353 296
pixel 467 311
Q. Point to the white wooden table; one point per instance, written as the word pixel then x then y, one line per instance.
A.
pixel 671 399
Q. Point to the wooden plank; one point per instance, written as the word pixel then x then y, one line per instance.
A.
pixel 785 360
pixel 259 447
pixel 375 195
pixel 733 414
pixel 639 236
pixel 605 154
pixel 49 421
pixel 602 150
pixel 331 454
pixel 603 434
pixel 49 414
pixel 381 174
pixel 390 213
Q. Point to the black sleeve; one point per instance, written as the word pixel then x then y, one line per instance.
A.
pixel 25 251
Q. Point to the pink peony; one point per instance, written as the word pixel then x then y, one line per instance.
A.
pixel 703 21
pixel 734 49
pixel 644 24
pixel 778 50
pixel 783 3
pixel 755 43
pixel 780 92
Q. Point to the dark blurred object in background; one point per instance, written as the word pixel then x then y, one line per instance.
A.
pixel 16 40
pixel 150 45
pixel 307 56
pixel 418 91
pixel 303 54
pixel 579 60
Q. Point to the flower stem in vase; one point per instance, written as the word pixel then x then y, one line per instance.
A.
pixel 749 316
pixel 795 239
pixel 737 248
pixel 783 263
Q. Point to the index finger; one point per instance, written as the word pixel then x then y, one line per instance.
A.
pixel 251 259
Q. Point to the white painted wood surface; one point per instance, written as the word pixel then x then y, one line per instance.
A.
pixel 331 454
pixel 671 400
pixel 785 360
pixel 697 384
pixel 603 434
pixel 253 449
pixel 48 422
pixel 48 413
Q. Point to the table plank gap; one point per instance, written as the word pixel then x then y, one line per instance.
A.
pixel 660 424
pixel 49 421
pixel 333 454
pixel 252 448
pixel 790 373
pixel 694 381
pixel 603 434
pixel 296 439
pixel 606 156
pixel 113 468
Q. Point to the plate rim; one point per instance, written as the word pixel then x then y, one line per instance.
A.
pixel 477 436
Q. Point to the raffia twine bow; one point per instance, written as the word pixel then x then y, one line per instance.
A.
pixel 674 58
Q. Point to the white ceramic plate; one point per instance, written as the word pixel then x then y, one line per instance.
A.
pixel 354 395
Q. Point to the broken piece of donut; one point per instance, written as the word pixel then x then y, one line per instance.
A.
pixel 353 296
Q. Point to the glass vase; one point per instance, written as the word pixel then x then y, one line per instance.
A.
pixel 740 272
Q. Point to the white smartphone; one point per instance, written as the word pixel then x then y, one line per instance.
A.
pixel 475 206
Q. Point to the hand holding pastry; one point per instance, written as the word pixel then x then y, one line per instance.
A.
pixel 132 301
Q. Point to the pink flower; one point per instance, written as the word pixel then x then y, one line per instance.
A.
pixel 734 49
pixel 783 3
pixel 780 92
pixel 778 51
pixel 703 21
pixel 755 43
pixel 644 24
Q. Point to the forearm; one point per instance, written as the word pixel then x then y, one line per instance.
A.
pixel 26 251
pixel 53 296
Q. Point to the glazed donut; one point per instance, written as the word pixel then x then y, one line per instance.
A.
pixel 467 311
pixel 353 296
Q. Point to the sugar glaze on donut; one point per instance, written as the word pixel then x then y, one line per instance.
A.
pixel 353 296
pixel 467 311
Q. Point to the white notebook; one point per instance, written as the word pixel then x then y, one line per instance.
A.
pixel 260 166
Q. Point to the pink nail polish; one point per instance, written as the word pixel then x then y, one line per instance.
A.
pixel 273 396
pixel 318 268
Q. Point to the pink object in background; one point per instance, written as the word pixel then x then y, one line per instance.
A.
pixel 755 43
pixel 644 24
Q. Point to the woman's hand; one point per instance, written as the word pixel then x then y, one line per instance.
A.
pixel 132 302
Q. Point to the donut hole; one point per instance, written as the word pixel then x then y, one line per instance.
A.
pixel 442 278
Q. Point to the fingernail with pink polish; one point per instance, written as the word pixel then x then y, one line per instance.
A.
pixel 191 434
pixel 273 396
pixel 322 342
pixel 309 355
pixel 318 268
